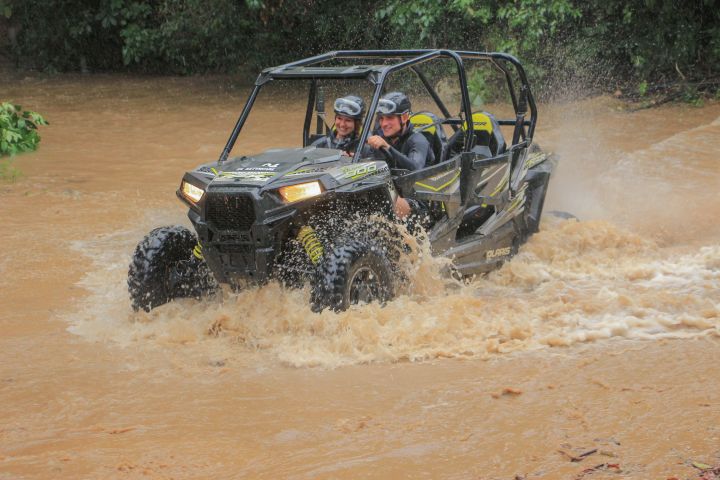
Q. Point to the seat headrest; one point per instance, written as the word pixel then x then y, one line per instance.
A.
pixel 423 120
pixel 481 122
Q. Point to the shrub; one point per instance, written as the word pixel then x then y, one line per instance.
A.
pixel 18 129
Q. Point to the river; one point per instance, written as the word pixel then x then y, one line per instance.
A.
pixel 600 336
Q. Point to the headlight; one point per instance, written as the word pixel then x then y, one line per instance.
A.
pixel 191 192
pixel 301 191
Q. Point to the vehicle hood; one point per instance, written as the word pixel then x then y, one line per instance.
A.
pixel 279 167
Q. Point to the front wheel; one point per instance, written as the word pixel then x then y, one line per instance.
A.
pixel 163 267
pixel 355 271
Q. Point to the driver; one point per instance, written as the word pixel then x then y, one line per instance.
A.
pixel 349 111
pixel 401 146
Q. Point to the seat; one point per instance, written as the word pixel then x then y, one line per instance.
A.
pixel 489 140
pixel 430 126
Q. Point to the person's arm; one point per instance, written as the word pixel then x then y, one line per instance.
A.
pixel 416 157
pixel 368 152
pixel 322 142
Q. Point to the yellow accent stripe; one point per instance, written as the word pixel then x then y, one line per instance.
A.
pixel 501 185
pixel 535 158
pixel 437 189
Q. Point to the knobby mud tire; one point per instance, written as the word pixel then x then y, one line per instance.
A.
pixel 332 289
pixel 163 267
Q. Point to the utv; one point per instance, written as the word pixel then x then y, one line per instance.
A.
pixel 301 214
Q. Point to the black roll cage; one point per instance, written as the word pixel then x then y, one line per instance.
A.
pixel 307 69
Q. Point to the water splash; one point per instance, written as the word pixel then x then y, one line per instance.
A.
pixel 572 282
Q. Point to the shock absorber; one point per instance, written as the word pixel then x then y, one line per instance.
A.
pixel 197 251
pixel 310 242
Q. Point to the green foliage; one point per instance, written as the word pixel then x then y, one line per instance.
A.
pixel 422 19
pixel 691 96
pixel 485 86
pixel 594 43
pixel 654 39
pixel 531 22
pixel 18 129
pixel 184 36
pixel 5 9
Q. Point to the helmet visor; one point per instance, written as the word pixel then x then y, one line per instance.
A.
pixel 345 106
pixel 386 107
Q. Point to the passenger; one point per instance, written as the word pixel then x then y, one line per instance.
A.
pixel 400 145
pixel 349 111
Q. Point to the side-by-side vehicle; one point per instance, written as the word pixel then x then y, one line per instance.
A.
pixel 302 214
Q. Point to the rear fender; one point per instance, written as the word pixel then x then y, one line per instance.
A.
pixel 537 179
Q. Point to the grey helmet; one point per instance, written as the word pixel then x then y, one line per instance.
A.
pixel 350 106
pixel 393 103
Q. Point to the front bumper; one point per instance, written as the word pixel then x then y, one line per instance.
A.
pixel 239 245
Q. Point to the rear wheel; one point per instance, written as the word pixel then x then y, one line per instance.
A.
pixel 163 267
pixel 355 271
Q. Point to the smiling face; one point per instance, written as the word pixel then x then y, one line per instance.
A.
pixel 392 125
pixel 344 126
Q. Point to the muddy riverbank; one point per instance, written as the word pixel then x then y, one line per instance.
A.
pixel 600 335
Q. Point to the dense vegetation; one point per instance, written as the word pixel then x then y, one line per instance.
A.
pixel 18 133
pixel 603 44
pixel 18 129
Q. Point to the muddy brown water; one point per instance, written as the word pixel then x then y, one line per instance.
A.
pixel 600 335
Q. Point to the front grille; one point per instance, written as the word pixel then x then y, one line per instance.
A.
pixel 235 237
pixel 230 211
pixel 243 249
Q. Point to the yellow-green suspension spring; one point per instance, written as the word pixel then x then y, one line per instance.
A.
pixel 197 251
pixel 310 242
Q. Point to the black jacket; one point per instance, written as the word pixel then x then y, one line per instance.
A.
pixel 347 144
pixel 410 151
